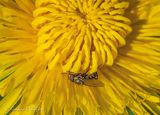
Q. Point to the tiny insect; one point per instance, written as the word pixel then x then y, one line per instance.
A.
pixel 78 78
pixel 84 79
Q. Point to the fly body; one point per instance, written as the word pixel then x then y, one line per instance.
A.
pixel 84 79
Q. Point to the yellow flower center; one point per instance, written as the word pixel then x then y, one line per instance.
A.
pixel 81 35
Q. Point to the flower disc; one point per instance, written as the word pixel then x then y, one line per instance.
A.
pixel 80 35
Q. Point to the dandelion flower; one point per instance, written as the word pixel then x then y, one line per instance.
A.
pixel 42 40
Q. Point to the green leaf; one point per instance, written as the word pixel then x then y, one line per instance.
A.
pixel 130 112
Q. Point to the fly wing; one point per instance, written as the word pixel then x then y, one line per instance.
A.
pixel 94 83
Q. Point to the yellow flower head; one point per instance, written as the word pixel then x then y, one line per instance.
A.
pixel 111 47
pixel 82 35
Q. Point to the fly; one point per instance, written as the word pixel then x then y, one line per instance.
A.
pixel 84 79
pixel 78 78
